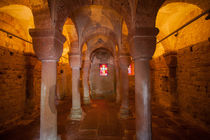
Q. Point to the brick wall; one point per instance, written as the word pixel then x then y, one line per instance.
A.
pixel 184 88
pixel 19 87
pixel 64 79
pixel 102 84
pixel 20 77
pixel 180 68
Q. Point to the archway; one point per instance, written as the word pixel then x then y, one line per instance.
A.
pixel 102 74
pixel 177 59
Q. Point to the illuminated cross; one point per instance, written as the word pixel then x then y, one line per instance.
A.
pixel 103 70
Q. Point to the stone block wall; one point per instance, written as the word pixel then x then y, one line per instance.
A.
pixel 183 88
pixel 20 77
pixel 102 84
pixel 180 67
pixel 20 85
pixel 64 79
pixel 193 79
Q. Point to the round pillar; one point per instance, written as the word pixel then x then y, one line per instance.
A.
pixel 86 96
pixel 118 97
pixel 48 46
pixel 48 130
pixel 75 62
pixel 124 61
pixel 143 43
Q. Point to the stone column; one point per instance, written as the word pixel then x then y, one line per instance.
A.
pixel 86 68
pixel 124 61
pixel 118 97
pixel 75 62
pixel 143 43
pixel 48 46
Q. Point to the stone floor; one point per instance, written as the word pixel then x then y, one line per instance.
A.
pixel 102 123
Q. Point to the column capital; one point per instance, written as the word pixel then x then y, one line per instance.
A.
pixel 143 42
pixel 124 61
pixel 74 60
pixel 47 43
pixel 75 47
pixel 74 55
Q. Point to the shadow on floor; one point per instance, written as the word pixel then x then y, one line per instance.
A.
pixel 102 123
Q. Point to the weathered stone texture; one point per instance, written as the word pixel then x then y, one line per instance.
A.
pixel 20 77
pixel 102 85
pixel 20 87
pixel 191 97
pixel 193 80
pixel 63 80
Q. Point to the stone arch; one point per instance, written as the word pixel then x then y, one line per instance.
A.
pixel 100 56
pixel 40 9
pixel 20 19
pixel 204 4
pixel 16 2
pixel 70 33
pixel 43 16
pixel 173 20
pixel 87 35
pixel 92 53
pixel 120 6
pixel 145 14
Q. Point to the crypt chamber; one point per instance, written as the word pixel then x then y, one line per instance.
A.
pixel 104 69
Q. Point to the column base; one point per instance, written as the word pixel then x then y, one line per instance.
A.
pixel 77 114
pixel 86 100
pixel 125 113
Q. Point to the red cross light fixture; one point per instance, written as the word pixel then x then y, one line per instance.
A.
pixel 103 70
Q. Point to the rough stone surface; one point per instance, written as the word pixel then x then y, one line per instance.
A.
pixel 102 85
pixel 19 77
pixel 102 123
pixel 191 81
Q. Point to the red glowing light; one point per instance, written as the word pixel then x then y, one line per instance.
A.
pixel 103 69
pixel 129 70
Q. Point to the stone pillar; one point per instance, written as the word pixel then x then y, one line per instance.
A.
pixel 86 96
pixel 117 74
pixel 124 61
pixel 143 43
pixel 75 62
pixel 48 46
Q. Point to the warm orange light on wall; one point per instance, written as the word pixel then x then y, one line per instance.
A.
pixel 131 69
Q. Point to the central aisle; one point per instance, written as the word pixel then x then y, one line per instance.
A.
pixel 101 123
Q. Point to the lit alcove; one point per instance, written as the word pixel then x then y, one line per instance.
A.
pixel 102 74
